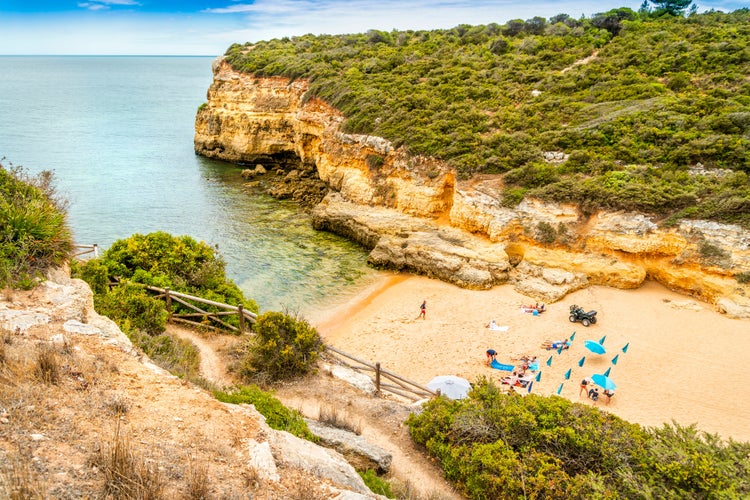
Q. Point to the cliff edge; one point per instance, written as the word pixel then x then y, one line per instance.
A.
pixel 413 213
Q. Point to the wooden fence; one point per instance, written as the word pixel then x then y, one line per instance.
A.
pixel 385 380
pixel 202 315
pixel 86 249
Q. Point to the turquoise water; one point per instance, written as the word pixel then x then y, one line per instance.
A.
pixel 118 133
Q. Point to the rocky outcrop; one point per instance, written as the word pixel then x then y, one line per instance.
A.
pixel 413 214
pixel 59 312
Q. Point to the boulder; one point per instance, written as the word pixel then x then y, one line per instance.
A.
pixel 356 449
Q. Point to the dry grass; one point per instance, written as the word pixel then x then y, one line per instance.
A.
pixel 19 480
pixel 47 365
pixel 332 416
pixel 198 483
pixel 407 491
pixel 126 474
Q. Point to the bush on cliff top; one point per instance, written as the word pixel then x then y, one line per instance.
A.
pixel 34 233
pixel 493 445
pixel 664 92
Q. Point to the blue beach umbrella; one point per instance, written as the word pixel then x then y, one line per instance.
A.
pixel 549 361
pixel 572 336
pixel 603 381
pixel 614 360
pixel 559 351
pixel 567 374
pixel 601 340
pixel 625 349
pixel 606 374
pixel 594 346
pixel 538 376
pixel 530 385
pixel 559 389
pixel 581 361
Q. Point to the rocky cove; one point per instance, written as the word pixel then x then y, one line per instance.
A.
pixel 413 214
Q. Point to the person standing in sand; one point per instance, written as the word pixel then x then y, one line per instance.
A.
pixel 423 310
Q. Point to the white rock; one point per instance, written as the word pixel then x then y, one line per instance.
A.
pixel 75 326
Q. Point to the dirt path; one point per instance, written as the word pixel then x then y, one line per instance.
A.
pixel 380 420
pixel 212 367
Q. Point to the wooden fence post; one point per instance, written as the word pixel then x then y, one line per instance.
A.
pixel 241 312
pixel 377 378
pixel 169 304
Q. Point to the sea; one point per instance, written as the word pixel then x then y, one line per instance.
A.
pixel 118 134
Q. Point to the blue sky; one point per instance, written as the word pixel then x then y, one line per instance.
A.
pixel 208 27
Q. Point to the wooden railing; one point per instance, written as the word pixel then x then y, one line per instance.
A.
pixel 182 298
pixel 86 249
pixel 385 380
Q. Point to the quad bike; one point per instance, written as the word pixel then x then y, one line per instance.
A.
pixel 578 314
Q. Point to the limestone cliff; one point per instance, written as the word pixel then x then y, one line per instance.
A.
pixel 413 213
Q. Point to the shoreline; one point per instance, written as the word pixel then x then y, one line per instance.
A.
pixel 681 361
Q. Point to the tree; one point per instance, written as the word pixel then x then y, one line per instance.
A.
pixel 671 7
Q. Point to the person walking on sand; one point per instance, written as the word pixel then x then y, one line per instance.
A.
pixel 423 310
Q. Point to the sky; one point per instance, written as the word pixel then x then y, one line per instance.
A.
pixel 209 27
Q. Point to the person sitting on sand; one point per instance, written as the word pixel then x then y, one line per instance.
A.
pixel 491 356
pixel 609 393
pixel 491 325
pixel 594 394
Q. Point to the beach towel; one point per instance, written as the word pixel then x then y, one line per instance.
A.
pixel 499 328
pixel 500 366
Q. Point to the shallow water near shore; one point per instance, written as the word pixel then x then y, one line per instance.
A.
pixel 118 133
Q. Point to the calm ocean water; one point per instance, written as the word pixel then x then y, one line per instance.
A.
pixel 118 133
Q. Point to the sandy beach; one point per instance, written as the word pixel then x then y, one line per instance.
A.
pixel 684 362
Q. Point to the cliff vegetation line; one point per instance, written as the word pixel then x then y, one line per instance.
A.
pixel 624 110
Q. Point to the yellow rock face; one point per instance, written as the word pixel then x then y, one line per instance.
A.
pixel 268 121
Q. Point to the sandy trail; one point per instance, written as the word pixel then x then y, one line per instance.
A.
pixel 212 366
pixel 684 361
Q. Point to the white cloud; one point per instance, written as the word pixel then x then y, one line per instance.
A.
pixel 105 4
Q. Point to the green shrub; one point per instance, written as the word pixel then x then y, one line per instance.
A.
pixel 176 355
pixel 545 233
pixel 493 445
pixel 743 278
pixel 129 304
pixel 277 415
pixel 34 233
pixel 283 347
pixel 376 484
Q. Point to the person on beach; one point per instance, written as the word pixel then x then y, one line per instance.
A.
pixel 609 393
pixel 423 310
pixel 594 394
pixel 491 356
pixel 585 382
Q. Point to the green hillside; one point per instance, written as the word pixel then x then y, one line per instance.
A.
pixel 634 99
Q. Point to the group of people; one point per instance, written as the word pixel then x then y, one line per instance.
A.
pixel 593 393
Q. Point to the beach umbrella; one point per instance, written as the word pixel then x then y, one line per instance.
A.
pixel 559 389
pixel 529 389
pixel 625 349
pixel 567 374
pixel 549 361
pixel 581 361
pixel 601 340
pixel 594 346
pixel 538 376
pixel 614 360
pixel 603 381
pixel 606 374
pixel 559 351
pixel 572 336
pixel 450 386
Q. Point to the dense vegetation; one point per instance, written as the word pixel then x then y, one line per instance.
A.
pixel 494 446
pixel 656 95
pixel 283 347
pixel 34 233
pixel 158 259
